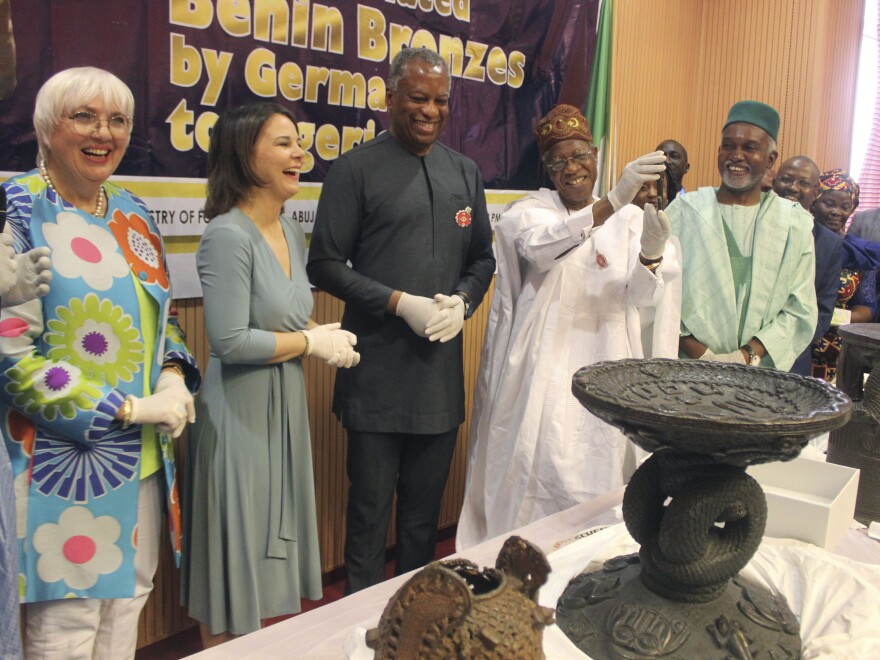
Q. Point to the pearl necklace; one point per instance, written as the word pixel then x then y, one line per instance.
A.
pixel 99 202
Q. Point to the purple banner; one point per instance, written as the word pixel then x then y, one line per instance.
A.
pixel 188 60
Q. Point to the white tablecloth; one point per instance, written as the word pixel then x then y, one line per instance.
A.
pixel 835 595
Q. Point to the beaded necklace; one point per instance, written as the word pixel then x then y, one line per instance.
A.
pixel 99 202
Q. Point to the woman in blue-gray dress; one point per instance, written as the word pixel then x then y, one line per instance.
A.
pixel 251 541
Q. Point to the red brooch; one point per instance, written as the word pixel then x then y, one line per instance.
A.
pixel 601 260
pixel 463 218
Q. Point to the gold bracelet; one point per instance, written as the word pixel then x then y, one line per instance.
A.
pixel 308 350
pixel 173 366
pixel 126 412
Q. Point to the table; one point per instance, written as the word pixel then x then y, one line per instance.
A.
pixel 323 633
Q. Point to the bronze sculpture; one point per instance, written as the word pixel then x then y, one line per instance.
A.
pixel 697 515
pixel 452 609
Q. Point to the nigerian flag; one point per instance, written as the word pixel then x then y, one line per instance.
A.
pixel 598 106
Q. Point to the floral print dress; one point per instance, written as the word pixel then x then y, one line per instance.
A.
pixel 67 362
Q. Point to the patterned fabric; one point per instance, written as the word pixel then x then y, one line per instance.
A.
pixel 563 122
pixel 856 289
pixel 839 180
pixel 68 362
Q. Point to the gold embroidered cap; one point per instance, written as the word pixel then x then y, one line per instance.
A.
pixel 563 122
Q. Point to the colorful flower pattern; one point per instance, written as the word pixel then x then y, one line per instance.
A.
pixel 21 430
pixel 141 247
pixel 18 327
pixel 78 549
pixel 67 361
pixel 47 388
pixel 82 472
pixel 81 249
pixel 98 337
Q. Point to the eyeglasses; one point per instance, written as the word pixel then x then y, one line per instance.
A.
pixel 85 123
pixel 581 158
pixel 803 184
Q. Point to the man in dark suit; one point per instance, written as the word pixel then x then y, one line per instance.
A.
pixel 409 215
pixel 798 180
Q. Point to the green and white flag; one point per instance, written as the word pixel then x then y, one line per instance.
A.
pixel 598 108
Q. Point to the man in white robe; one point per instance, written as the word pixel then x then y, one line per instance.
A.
pixel 572 275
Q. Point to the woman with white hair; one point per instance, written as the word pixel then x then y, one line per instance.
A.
pixel 95 380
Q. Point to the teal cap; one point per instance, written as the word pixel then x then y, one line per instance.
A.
pixel 755 113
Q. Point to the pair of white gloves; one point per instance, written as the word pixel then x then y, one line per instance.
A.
pixel 332 344
pixel 170 407
pixel 655 226
pixel 23 277
pixel 440 318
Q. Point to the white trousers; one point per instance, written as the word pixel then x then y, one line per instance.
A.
pixel 95 629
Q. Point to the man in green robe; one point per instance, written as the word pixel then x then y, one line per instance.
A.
pixel 748 258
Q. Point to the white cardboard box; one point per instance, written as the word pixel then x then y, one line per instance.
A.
pixel 808 500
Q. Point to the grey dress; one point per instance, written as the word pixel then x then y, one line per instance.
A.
pixel 251 538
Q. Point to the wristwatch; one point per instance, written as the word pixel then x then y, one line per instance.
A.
pixel 468 305
pixel 754 358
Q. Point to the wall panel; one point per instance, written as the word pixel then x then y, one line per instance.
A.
pixel 680 64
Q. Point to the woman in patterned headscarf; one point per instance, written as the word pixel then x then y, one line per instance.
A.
pixel 857 296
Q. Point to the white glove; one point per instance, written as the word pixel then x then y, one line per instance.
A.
pixel 30 277
pixel 447 323
pixel 655 232
pixel 333 345
pixel 170 406
pixel 417 311
pixel 642 169
pixel 735 357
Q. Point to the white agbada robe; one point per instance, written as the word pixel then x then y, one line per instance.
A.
pixel 566 295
